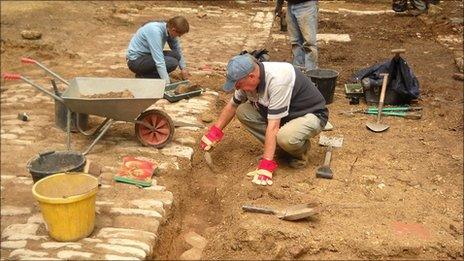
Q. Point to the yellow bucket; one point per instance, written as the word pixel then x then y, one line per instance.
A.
pixel 67 202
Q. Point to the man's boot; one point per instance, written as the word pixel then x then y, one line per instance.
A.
pixel 301 161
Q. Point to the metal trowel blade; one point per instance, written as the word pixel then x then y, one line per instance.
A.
pixel 209 160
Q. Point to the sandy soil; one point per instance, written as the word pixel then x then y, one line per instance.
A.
pixel 396 194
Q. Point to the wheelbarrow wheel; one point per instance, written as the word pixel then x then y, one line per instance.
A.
pixel 161 132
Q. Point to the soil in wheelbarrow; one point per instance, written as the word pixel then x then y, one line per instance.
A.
pixel 124 94
pixel 185 88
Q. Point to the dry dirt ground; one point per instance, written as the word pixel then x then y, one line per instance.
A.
pixel 395 195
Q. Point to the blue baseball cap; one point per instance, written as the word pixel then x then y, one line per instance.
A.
pixel 238 68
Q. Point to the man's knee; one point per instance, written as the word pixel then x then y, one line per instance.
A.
pixel 287 141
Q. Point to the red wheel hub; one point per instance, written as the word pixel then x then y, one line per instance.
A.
pixel 161 129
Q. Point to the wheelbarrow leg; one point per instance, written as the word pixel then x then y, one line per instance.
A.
pixel 103 131
pixel 68 129
pixel 90 133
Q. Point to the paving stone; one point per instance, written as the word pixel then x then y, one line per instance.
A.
pixel 24 253
pixel 166 197
pixel 92 240
pixel 9 136
pixel 73 255
pixel 136 222
pixel 195 240
pixel 23 229
pixel 135 211
pixel 156 188
pixel 131 242
pixel 191 254
pixel 112 232
pixel 55 245
pixel 13 244
pixel 9 116
pixel 104 203
pixel 116 257
pixel 149 204
pixel 13 210
pixel 185 140
pixel 123 249
pixel 36 218
pixel 178 150
pixel 21 142
pixel 106 178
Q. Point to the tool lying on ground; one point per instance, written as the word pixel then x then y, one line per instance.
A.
pixel 330 142
pixel 405 112
pixel 378 126
pixel 291 213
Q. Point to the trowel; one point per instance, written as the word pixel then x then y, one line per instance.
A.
pixel 291 213
pixel 330 142
pixel 209 160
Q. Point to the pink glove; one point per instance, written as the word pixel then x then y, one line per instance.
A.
pixel 263 175
pixel 211 138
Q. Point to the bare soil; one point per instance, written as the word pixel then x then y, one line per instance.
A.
pixel 395 195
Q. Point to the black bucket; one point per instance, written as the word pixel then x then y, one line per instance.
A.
pixel 61 114
pixel 325 81
pixel 53 162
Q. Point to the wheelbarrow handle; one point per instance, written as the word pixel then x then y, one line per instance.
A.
pixel 11 76
pixel 28 60
pixel 31 61
pixel 17 76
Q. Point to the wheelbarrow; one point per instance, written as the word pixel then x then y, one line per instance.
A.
pixel 152 127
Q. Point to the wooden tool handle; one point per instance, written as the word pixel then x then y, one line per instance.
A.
pixel 382 94
pixel 248 208
pixel 328 156
pixel 398 51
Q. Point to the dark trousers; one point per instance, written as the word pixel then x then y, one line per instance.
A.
pixel 145 67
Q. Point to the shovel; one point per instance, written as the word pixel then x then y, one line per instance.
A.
pixel 378 126
pixel 291 213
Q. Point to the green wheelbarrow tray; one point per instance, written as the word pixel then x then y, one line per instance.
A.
pixel 171 95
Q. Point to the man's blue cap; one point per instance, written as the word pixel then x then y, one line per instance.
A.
pixel 238 68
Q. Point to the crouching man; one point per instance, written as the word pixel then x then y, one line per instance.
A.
pixel 276 103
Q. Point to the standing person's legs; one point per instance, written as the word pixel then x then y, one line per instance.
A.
pixel 294 137
pixel 303 33
pixel 252 120
pixel 419 5
pixel 145 67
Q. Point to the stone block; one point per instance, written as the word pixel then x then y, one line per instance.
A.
pixel 36 218
pixel 25 229
pixel 149 204
pixel 56 245
pixel 73 255
pixel 191 254
pixel 112 232
pixel 13 244
pixel 135 211
pixel 13 210
pixel 22 253
pixel 132 243
pixel 137 222
pixel 178 151
pixel 195 240
pixel 165 196
pixel 127 250
pixel 117 257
